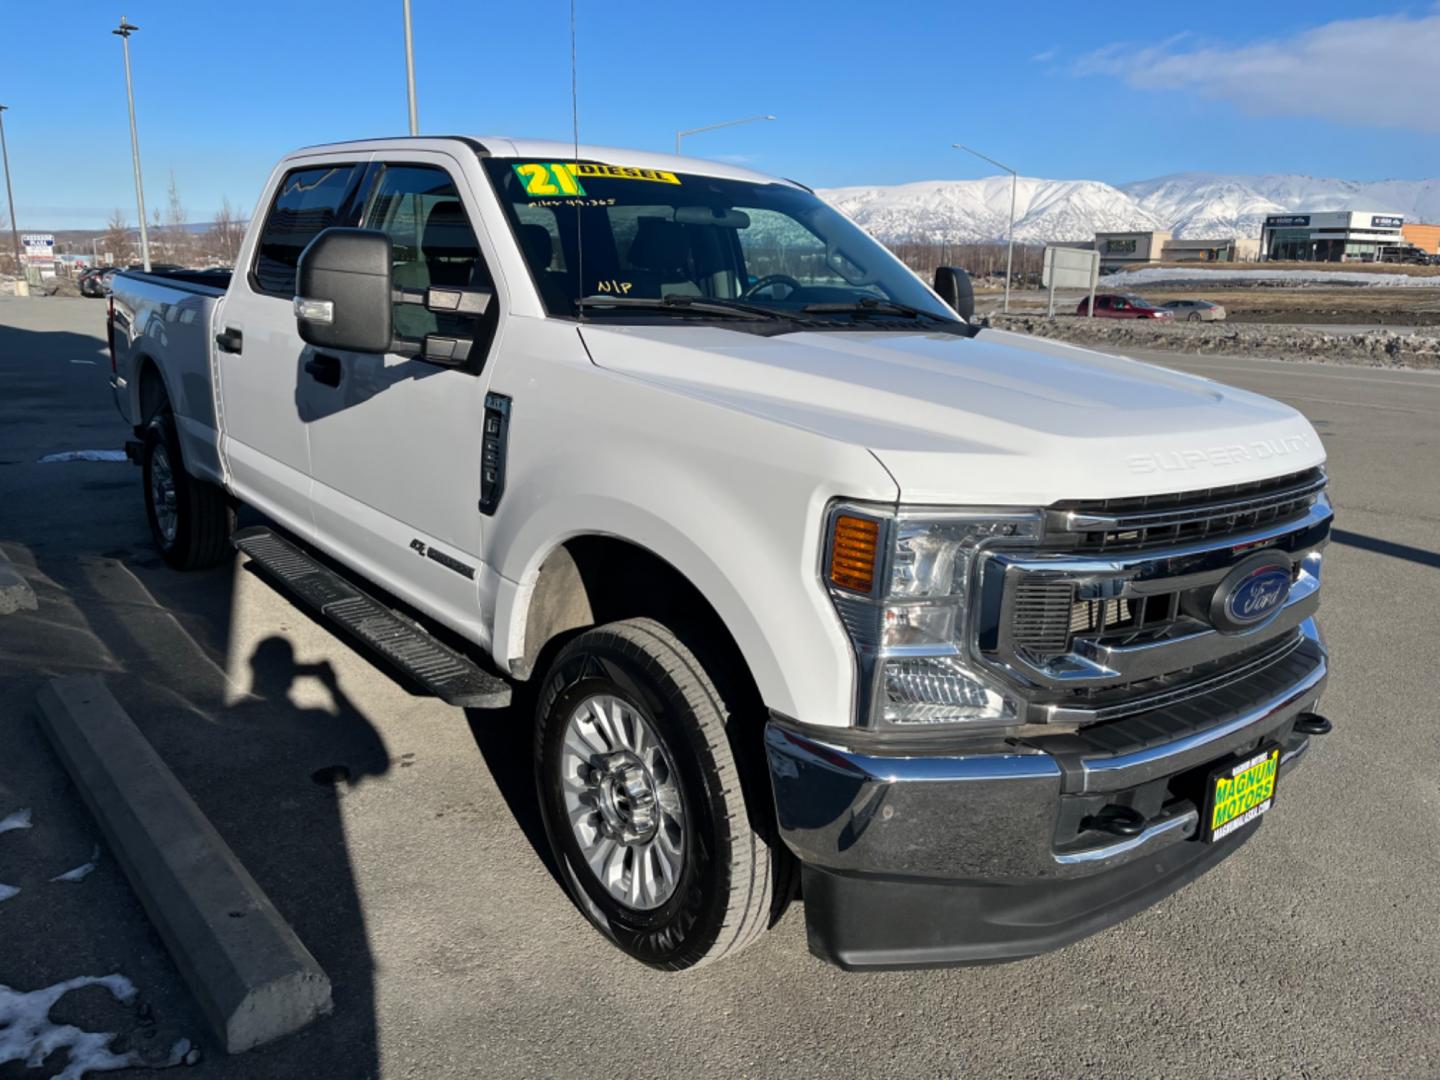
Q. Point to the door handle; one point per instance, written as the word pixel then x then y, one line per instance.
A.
pixel 229 340
pixel 324 369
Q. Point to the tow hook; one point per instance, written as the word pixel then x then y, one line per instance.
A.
pixel 1310 723
pixel 1117 821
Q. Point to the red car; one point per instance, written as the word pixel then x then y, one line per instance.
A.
pixel 1123 306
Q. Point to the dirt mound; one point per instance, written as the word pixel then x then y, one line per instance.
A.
pixel 1377 348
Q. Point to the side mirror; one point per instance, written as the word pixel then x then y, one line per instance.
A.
pixel 343 291
pixel 953 285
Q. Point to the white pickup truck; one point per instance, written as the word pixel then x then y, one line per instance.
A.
pixel 994 640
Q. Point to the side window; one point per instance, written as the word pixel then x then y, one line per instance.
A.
pixel 418 207
pixel 309 200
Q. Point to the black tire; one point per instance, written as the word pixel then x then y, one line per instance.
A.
pixel 734 878
pixel 1194 316
pixel 202 519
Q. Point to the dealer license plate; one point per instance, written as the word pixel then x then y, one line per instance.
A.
pixel 1240 792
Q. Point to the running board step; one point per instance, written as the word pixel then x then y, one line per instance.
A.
pixel 439 669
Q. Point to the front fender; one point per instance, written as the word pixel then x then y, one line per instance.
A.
pixel 734 502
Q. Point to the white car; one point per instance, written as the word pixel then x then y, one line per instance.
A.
pixel 1195 310
pixel 996 640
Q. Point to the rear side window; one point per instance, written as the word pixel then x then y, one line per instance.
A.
pixel 418 207
pixel 309 201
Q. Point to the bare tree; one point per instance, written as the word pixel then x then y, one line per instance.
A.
pixel 177 237
pixel 117 238
pixel 226 232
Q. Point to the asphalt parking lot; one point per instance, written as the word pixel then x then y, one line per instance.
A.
pixel 419 883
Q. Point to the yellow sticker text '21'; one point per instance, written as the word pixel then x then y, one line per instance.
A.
pixel 543 180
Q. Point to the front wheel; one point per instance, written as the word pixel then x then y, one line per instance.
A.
pixel 190 521
pixel 642 799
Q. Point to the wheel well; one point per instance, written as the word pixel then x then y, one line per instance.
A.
pixel 152 394
pixel 593 580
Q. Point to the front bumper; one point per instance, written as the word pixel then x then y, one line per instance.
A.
pixel 980 853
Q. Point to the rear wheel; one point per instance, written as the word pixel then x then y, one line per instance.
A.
pixel 642 799
pixel 190 520
pixel 1194 316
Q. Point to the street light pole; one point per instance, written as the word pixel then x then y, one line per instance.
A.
pixel 124 31
pixel 410 73
pixel 1010 236
pixel 711 127
pixel 10 196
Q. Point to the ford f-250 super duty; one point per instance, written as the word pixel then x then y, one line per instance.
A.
pixel 994 640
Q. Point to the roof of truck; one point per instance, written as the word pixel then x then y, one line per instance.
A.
pixel 554 150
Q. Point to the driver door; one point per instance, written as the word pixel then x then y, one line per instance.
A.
pixel 395 441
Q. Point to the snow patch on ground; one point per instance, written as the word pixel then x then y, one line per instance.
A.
pixel 83 455
pixel 1152 274
pixel 20 819
pixel 27 1033
pixel 84 870
pixel 7 891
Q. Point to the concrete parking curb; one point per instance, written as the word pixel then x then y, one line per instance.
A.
pixel 254 979
pixel 15 592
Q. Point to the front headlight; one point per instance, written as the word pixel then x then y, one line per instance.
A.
pixel 901 583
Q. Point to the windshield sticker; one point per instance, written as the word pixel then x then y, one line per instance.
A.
pixel 626 172
pixel 556 178
pixel 561 178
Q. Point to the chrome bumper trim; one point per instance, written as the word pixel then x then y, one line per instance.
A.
pixel 991 811
pixel 1170 829
pixel 1109 773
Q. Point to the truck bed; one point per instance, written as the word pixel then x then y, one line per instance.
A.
pixel 163 335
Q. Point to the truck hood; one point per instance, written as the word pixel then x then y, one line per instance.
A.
pixel 1000 418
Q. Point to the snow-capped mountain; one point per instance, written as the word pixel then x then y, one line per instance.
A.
pixel 966 211
pixel 1196 205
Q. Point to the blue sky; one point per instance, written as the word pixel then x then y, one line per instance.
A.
pixel 864 92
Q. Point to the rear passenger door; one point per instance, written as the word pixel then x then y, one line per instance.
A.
pixel 395 441
pixel 266 442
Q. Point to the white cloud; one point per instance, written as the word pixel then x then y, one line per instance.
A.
pixel 1373 72
pixel 1045 56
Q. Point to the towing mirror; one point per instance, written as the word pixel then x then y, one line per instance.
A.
pixel 343 291
pixel 953 285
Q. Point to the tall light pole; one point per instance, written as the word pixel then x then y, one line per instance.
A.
pixel 410 73
pixel 711 127
pixel 10 195
pixel 124 31
pixel 1010 235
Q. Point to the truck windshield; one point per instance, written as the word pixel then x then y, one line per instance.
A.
pixel 593 232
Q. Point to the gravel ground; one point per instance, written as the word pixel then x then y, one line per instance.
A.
pixel 1377 348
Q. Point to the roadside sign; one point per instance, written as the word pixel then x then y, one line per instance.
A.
pixel 39 247
pixel 1070 268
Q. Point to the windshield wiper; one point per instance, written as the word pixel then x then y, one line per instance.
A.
pixel 870 305
pixel 681 303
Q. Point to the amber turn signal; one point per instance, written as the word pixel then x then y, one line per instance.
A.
pixel 853 550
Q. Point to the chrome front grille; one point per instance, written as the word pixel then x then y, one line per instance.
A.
pixel 1151 521
pixel 1082 634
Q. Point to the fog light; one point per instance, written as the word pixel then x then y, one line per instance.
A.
pixel 939 690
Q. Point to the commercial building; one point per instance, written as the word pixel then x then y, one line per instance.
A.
pixel 1425 237
pixel 1330 236
pixel 1119 250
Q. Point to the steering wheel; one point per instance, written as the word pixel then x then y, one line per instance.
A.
pixel 769 280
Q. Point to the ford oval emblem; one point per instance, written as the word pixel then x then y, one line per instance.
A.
pixel 1257 595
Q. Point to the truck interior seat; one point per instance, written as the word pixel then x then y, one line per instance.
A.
pixel 659 258
pixel 540 253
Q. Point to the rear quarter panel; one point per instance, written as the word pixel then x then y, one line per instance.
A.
pixel 164 331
